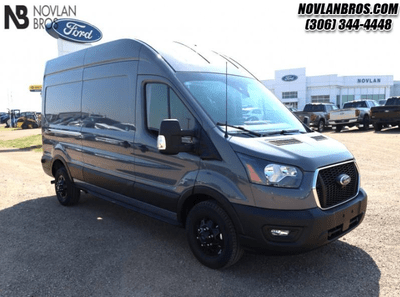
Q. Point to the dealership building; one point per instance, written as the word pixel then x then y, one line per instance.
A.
pixel 295 89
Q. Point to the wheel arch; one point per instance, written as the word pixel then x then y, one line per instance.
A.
pixel 202 193
pixel 59 162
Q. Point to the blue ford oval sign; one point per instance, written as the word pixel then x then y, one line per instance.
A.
pixel 74 30
pixel 290 77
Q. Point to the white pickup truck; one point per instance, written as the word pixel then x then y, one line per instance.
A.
pixel 354 113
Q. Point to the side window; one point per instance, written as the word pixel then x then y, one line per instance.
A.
pixel 106 104
pixel 163 103
pixel 63 104
pixel 156 105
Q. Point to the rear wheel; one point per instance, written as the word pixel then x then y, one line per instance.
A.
pixel 365 122
pixel 339 128
pixel 212 236
pixel 321 125
pixel 377 127
pixel 67 193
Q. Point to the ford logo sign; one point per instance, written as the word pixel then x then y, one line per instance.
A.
pixel 290 77
pixel 343 180
pixel 74 30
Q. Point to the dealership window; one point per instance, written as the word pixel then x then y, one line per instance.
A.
pixel 373 97
pixel 347 98
pixel 163 103
pixel 288 95
pixel 320 99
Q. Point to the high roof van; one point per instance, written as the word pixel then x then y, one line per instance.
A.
pixel 163 130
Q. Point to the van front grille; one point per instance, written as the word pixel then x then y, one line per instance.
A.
pixel 330 191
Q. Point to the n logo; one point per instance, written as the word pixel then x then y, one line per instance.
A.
pixel 21 12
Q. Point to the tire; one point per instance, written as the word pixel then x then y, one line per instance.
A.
pixel 321 126
pixel 67 193
pixel 377 127
pixel 212 236
pixel 365 123
pixel 339 128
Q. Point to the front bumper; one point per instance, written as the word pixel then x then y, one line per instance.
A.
pixel 308 229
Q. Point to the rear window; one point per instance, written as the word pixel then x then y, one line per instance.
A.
pixel 355 104
pixel 314 108
pixel 393 101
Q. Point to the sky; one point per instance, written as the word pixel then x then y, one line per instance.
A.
pixel 262 35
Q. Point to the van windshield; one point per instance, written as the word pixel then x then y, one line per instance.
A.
pixel 251 106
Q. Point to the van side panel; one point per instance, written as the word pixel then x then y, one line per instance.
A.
pixel 61 120
pixel 108 126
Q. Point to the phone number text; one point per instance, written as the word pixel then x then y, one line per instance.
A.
pixel 326 24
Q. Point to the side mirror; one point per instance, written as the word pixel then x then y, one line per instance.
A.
pixel 169 140
pixel 306 121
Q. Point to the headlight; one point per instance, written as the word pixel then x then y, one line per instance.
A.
pixel 282 175
pixel 271 174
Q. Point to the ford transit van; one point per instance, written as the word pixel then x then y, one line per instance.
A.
pixel 164 130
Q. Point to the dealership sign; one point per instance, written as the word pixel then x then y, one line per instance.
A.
pixel 35 88
pixel 290 77
pixel 368 80
pixel 74 31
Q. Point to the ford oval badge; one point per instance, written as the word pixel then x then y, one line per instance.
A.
pixel 343 180
pixel 290 77
pixel 74 30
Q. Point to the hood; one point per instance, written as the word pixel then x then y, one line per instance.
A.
pixel 307 151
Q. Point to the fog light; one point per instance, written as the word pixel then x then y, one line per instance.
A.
pixel 277 232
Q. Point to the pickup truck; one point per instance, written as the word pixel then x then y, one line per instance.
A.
pixel 318 113
pixel 386 115
pixel 353 113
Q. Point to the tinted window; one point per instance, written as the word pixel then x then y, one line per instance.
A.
pixel 315 108
pixel 156 105
pixel 163 103
pixel 355 104
pixel 106 104
pixel 63 104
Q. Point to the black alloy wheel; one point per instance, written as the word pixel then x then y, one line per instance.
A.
pixel 212 236
pixel 67 193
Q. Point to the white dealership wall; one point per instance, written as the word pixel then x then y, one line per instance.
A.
pixel 67 47
pixel 338 88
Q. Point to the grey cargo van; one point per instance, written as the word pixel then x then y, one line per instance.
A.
pixel 163 130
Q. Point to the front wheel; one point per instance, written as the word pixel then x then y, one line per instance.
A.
pixel 212 236
pixel 67 193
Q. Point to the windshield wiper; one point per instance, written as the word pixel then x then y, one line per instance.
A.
pixel 240 128
pixel 282 132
